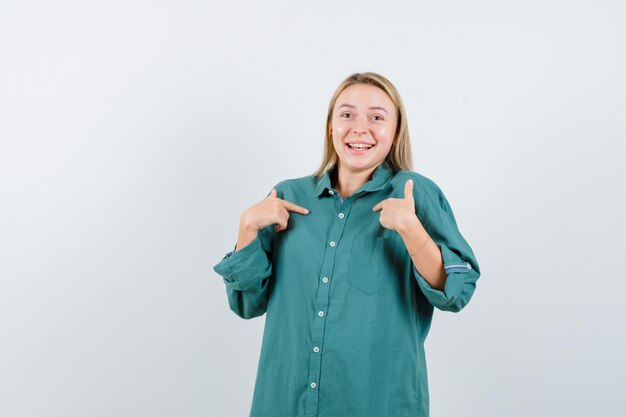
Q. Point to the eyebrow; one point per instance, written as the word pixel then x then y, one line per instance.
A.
pixel 371 108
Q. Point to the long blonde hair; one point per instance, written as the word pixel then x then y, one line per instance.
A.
pixel 399 156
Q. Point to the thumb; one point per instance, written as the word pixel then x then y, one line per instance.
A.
pixel 408 191
pixel 272 193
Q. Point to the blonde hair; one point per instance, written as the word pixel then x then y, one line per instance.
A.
pixel 399 156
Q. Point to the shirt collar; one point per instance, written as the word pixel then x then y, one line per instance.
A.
pixel 382 175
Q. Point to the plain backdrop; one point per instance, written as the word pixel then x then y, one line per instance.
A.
pixel 134 133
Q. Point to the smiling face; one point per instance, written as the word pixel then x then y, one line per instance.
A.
pixel 363 126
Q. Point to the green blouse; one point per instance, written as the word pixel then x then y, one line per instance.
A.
pixel 347 313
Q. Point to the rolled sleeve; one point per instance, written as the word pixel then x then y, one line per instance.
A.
pixel 245 268
pixel 460 283
pixel 460 265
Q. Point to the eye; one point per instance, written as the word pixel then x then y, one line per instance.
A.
pixel 378 117
pixel 345 114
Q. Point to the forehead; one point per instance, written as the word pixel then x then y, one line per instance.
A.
pixel 364 95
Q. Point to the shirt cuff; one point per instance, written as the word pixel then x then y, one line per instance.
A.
pixel 459 273
pixel 244 268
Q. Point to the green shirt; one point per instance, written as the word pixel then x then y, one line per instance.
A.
pixel 347 313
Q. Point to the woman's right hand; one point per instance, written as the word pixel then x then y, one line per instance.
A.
pixel 270 210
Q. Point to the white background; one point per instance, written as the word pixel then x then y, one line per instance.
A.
pixel 134 133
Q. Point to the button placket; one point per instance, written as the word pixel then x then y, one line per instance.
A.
pixel 322 301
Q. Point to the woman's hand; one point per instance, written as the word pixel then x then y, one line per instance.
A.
pixel 398 213
pixel 270 210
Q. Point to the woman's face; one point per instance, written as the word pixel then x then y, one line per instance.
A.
pixel 364 117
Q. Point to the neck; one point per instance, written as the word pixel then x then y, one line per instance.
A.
pixel 347 181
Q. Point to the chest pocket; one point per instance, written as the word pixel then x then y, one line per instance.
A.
pixel 368 268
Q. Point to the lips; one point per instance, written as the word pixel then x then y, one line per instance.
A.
pixel 360 145
pixel 359 148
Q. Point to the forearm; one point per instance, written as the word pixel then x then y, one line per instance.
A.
pixel 426 257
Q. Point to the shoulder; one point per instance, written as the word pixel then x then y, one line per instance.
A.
pixel 422 185
pixel 297 186
pixel 431 203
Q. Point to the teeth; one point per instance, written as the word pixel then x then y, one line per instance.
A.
pixel 359 145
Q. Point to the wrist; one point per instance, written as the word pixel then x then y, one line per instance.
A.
pixel 246 236
pixel 408 226
pixel 246 225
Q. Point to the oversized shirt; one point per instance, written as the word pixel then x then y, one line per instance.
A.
pixel 346 310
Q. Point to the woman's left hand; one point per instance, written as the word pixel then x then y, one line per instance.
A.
pixel 398 213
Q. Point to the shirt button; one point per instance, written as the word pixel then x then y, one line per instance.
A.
pixel 321 314
pixel 325 280
pixel 469 266
pixel 331 192
pixel 340 215
pixel 332 244
pixel 313 385
pixel 316 349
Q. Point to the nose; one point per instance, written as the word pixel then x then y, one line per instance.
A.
pixel 360 126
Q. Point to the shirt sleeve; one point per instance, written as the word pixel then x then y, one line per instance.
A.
pixel 459 261
pixel 247 274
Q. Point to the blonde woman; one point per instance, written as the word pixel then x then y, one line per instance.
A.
pixel 348 264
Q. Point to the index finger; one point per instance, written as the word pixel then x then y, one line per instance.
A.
pixel 294 207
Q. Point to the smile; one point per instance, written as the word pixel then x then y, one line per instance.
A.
pixel 360 145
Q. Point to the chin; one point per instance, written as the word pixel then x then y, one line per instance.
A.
pixel 359 165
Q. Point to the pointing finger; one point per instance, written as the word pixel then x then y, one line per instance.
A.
pixel 294 207
pixel 377 206
pixel 408 190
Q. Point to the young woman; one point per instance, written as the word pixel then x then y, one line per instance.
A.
pixel 348 265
